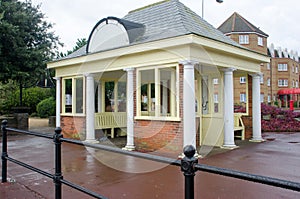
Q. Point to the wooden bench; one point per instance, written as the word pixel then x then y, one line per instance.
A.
pixel 239 126
pixel 111 120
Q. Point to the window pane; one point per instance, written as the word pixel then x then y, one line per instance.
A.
pixel 68 96
pixel 167 91
pixel 147 92
pixel 109 96
pixel 122 96
pixel 216 96
pixel 79 95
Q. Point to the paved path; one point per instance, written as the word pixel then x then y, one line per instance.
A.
pixel 101 172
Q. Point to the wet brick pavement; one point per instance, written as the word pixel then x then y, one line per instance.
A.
pixel 116 176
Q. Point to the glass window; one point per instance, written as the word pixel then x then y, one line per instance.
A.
pixel 283 82
pixel 157 92
pixel 68 95
pixel 282 67
pixel 79 95
pixel 296 69
pixel 243 97
pixel 121 96
pixel 216 92
pixel 261 79
pixel 268 66
pixel 260 41
pixel 269 82
pixel 269 98
pixel 242 80
pixel 73 89
pixel 216 81
pixel 262 96
pixel 244 39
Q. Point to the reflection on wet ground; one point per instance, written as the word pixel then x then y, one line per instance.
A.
pixel 118 176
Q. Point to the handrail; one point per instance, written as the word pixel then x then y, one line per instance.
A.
pixel 189 165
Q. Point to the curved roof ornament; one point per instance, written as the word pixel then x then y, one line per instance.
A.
pixel 112 32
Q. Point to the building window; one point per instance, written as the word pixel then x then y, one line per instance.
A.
pixel 157 93
pixel 282 67
pixel 243 97
pixel 268 66
pixel 282 82
pixel 244 39
pixel 269 98
pixel 243 80
pixel 297 84
pixel 269 82
pixel 296 69
pixel 293 68
pixel 261 79
pixel 260 41
pixel 262 96
pixel 73 89
pixel 216 81
pixel 293 84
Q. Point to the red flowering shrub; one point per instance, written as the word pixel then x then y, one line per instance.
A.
pixel 276 119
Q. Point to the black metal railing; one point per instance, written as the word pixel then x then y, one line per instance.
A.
pixel 189 165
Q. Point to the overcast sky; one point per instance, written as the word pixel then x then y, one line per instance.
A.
pixel 76 19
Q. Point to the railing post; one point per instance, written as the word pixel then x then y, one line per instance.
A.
pixel 4 150
pixel 187 166
pixel 58 174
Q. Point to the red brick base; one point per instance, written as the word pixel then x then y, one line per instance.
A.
pixel 163 136
pixel 72 126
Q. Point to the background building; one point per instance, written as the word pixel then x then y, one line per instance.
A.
pixel 281 73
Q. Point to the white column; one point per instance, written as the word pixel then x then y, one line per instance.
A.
pixel 228 109
pixel 189 115
pixel 58 100
pixel 99 97
pixel 130 112
pixel 90 108
pixel 256 109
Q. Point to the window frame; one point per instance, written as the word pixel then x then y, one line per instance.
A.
pixel 243 80
pixel 243 97
pixel 260 41
pixel 243 39
pixel 283 83
pixel 282 67
pixel 74 94
pixel 174 98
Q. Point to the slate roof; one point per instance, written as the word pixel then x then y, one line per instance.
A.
pixel 237 24
pixel 169 18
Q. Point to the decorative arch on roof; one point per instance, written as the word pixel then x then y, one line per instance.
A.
pixel 112 32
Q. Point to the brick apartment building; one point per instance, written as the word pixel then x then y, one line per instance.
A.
pixel 280 77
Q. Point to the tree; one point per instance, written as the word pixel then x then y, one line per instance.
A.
pixel 26 43
pixel 79 44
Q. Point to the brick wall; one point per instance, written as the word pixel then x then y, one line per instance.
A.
pixel 163 136
pixel 73 127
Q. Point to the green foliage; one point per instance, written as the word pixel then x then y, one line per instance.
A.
pixel 26 43
pixel 7 96
pixel 31 97
pixel 46 108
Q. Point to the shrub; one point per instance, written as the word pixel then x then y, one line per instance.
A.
pixel 280 119
pixel 46 107
pixel 10 96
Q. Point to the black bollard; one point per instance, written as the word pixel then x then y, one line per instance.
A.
pixel 58 174
pixel 187 166
pixel 4 151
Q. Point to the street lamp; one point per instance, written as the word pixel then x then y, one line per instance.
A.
pixel 219 1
